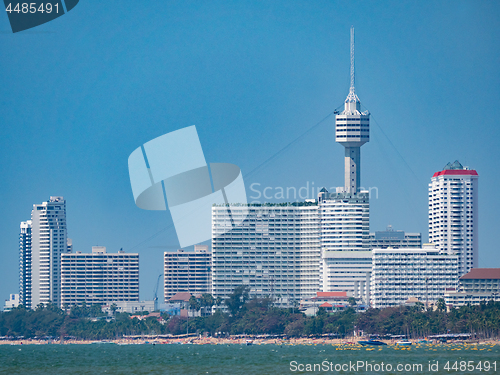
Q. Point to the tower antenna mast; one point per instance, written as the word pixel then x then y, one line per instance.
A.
pixel 352 60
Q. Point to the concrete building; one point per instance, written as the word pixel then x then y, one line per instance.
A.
pixel 179 305
pixel 398 274
pixel 453 214
pixel 344 221
pixel 275 251
pixel 346 259
pixel 43 240
pixel 99 277
pixel 395 239
pixel 25 264
pixel 131 307
pixel 12 302
pixel 476 286
pixel 347 272
pixel 187 271
pixel 334 301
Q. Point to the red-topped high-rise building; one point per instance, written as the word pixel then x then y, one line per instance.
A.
pixel 453 213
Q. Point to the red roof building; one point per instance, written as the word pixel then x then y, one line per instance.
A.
pixel 482 273
pixel 180 297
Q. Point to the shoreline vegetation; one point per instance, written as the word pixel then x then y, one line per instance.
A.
pixel 248 319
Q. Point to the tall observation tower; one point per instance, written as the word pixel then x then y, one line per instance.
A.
pixel 352 130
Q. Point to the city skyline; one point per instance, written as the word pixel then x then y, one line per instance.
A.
pixel 252 78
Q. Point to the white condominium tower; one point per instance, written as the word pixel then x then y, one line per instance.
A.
pixel 187 271
pixel 344 221
pixel 25 264
pixel 345 243
pixel 275 251
pixel 99 277
pixel 352 130
pixel 453 214
pixel 41 244
pixel 399 274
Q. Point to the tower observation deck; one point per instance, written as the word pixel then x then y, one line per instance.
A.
pixel 352 130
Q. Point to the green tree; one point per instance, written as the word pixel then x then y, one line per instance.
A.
pixel 237 299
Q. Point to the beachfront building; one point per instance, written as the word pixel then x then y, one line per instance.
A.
pixel 25 264
pixel 395 239
pixel 398 274
pixel 275 251
pixel 43 240
pixel 12 302
pixel 187 271
pixel 453 214
pixel 346 258
pixel 99 277
pixel 330 301
pixel 131 307
pixel 347 272
pixel 476 286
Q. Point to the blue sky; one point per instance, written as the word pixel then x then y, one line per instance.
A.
pixel 80 93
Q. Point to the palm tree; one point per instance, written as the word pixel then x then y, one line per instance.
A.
pixel 193 304
pixel 441 305
pixel 207 300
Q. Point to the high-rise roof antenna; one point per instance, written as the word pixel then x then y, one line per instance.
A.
pixel 352 60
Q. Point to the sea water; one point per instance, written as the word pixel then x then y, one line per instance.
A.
pixel 254 359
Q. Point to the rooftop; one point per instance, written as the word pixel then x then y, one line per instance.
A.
pixel 181 296
pixel 482 273
pixel 455 169
pixel 460 172
pixel 330 294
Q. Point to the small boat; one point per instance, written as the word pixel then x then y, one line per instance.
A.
pixel 249 342
pixel 404 343
pixel 371 342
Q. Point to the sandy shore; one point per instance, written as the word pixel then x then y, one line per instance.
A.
pixel 220 341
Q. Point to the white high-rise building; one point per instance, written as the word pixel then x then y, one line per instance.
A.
pixel 25 264
pixel 345 221
pixel 275 251
pixel 187 271
pixel 453 214
pixel 99 277
pixel 398 274
pixel 345 243
pixel 41 249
